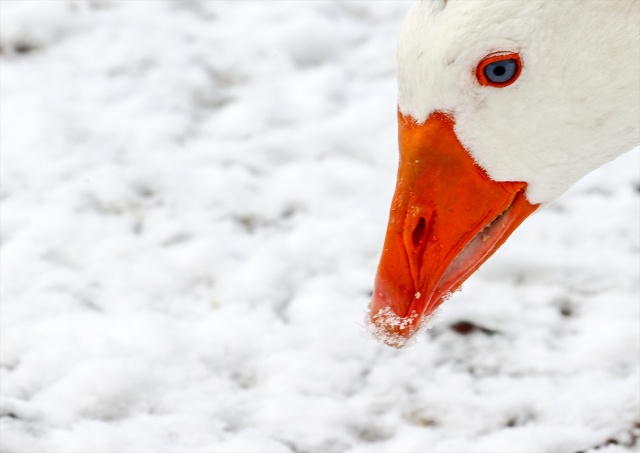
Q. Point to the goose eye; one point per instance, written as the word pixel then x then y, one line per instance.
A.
pixel 499 70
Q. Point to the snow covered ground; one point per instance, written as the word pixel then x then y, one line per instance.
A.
pixel 194 197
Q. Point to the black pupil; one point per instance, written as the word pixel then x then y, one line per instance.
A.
pixel 499 70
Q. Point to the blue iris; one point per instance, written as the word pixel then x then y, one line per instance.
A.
pixel 501 71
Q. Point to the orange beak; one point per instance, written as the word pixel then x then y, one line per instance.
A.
pixel 447 218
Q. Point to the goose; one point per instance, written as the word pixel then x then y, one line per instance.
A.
pixel 502 106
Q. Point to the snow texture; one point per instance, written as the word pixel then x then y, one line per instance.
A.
pixel 194 197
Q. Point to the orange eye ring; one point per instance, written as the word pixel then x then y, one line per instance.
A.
pixel 499 61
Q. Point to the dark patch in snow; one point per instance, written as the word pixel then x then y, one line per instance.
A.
pixel 527 416
pixel 512 422
pixel 18 48
pixel 425 422
pixel 373 434
pixel 289 212
pixel 566 307
pixel 251 223
pixel 23 47
pixel 630 439
pixel 144 191
pixel 245 379
pixel 248 223
pixel 196 8
pixel 566 311
pixel 466 328
pixel 292 446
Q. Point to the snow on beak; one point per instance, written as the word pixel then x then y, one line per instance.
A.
pixel 447 218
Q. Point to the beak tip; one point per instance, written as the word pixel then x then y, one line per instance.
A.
pixel 388 327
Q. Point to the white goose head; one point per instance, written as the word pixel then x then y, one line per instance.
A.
pixel 502 107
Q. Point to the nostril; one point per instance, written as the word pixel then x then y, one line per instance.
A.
pixel 419 232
